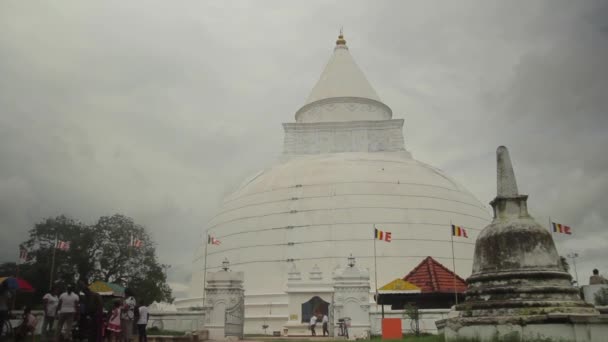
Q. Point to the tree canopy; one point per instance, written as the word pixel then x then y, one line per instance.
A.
pixel 101 251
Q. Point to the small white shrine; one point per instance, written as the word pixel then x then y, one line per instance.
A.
pixel 224 303
pixel 351 298
pixel 344 297
pixel 306 297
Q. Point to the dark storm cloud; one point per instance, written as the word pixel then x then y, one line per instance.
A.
pixel 157 110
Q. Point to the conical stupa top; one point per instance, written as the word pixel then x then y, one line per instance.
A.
pixel 342 77
pixel 506 183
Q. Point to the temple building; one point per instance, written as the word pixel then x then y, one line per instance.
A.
pixel 344 170
pixel 430 285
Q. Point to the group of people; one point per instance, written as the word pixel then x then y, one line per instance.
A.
pixel 85 308
pixel 94 323
pixel 313 324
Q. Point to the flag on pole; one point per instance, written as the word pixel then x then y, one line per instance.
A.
pixel 212 241
pixel 382 235
pixel 459 231
pixel 22 255
pixel 62 245
pixel 561 228
pixel 135 242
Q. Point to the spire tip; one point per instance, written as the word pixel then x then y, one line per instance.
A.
pixel 506 182
pixel 341 40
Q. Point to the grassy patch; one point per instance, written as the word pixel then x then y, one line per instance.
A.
pixel 154 331
pixel 423 338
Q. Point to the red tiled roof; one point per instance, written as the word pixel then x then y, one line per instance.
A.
pixel 431 276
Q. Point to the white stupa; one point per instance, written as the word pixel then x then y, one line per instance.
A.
pixel 344 169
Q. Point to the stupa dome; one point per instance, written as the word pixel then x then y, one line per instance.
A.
pixel 344 170
pixel 318 209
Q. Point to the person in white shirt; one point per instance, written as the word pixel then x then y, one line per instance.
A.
pixel 142 322
pixel 313 324
pixel 50 301
pixel 325 323
pixel 68 311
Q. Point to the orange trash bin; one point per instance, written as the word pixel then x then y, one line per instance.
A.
pixel 391 329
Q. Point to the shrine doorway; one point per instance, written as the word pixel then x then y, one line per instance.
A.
pixel 315 306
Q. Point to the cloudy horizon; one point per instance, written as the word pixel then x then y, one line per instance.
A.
pixel 158 110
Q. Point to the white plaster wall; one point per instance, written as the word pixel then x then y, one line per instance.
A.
pixel 260 309
pixel 178 321
pixel 589 292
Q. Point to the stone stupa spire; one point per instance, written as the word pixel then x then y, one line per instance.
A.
pixel 506 183
pixel 508 202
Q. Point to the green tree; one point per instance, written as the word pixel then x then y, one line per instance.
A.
pixel 101 251
pixel 413 313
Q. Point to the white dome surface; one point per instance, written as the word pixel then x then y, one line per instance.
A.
pixel 319 209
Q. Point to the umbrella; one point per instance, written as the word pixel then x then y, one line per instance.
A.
pixel 107 289
pixel 101 287
pixel 18 284
pixel 119 291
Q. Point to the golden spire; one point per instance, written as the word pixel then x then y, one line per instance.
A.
pixel 341 40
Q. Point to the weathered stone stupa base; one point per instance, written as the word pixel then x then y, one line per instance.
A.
pixel 551 327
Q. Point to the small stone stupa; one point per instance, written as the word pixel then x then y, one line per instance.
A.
pixel 518 290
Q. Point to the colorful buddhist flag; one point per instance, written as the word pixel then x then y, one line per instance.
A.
pixel 212 241
pixel 22 255
pixel 561 228
pixel 382 235
pixel 459 231
pixel 135 242
pixel 62 245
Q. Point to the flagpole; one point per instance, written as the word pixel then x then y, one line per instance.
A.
pixel 53 263
pixel 205 268
pixel 376 270
pixel 17 276
pixel 453 262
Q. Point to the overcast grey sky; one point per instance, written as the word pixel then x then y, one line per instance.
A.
pixel 157 109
